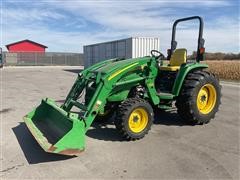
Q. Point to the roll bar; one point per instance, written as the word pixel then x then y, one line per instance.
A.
pixel 201 41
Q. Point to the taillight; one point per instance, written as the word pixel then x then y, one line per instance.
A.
pixel 202 50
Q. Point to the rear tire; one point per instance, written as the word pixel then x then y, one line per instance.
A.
pixel 199 98
pixel 134 118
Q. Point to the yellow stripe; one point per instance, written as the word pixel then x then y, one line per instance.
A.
pixel 120 71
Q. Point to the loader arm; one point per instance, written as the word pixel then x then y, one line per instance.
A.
pixel 61 129
pixel 107 78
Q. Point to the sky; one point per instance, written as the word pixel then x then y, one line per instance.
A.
pixel 65 26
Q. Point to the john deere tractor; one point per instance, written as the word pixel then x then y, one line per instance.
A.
pixel 130 89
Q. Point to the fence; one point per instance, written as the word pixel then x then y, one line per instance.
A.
pixel 42 59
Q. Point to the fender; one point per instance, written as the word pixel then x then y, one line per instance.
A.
pixel 183 72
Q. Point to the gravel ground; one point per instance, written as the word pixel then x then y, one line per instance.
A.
pixel 171 150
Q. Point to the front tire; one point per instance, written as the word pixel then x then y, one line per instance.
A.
pixel 199 98
pixel 134 118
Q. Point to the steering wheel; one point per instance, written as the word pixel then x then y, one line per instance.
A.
pixel 159 56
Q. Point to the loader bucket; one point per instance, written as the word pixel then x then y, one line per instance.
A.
pixel 55 130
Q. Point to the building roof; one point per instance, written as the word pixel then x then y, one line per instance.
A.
pixel 25 40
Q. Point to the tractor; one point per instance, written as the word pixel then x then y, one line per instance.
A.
pixel 129 90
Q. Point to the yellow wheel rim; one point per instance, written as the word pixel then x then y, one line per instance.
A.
pixel 138 120
pixel 206 99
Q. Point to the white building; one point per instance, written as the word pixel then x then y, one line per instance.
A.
pixel 125 48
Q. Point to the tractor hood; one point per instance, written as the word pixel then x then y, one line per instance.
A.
pixel 114 65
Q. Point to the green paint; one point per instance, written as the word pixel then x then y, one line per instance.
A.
pixel 107 81
pixel 166 96
pixel 184 70
pixel 120 96
pixel 51 125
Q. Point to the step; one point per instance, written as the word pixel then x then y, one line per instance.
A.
pixel 164 95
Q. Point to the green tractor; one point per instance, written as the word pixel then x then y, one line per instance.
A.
pixel 130 89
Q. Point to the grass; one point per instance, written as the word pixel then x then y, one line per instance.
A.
pixel 226 70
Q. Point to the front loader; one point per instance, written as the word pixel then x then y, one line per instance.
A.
pixel 129 89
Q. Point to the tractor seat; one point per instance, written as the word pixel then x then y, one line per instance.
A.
pixel 178 58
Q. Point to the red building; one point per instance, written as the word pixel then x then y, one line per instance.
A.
pixel 26 46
